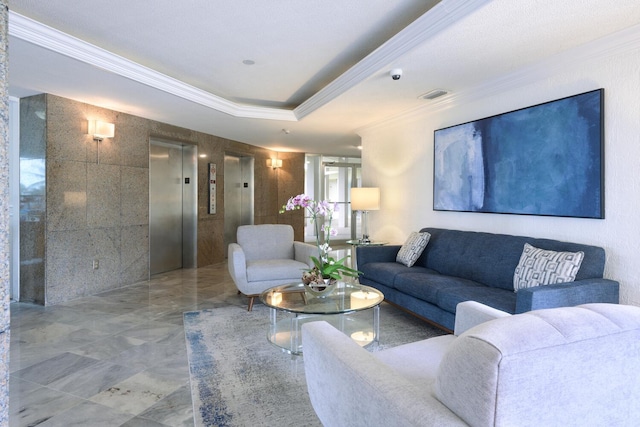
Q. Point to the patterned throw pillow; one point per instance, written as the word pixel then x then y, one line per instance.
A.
pixel 412 248
pixel 542 267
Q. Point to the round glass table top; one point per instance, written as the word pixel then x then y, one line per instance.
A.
pixel 346 297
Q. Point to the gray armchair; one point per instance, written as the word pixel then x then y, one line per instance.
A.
pixel 265 256
pixel 564 366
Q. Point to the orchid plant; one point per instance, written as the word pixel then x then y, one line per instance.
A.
pixel 325 266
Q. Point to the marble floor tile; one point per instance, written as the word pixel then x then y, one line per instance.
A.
pixel 114 359
pixel 93 379
pixel 23 355
pixel 85 414
pixel 153 331
pixel 137 393
pixel 39 405
pixel 108 348
pixel 174 410
pixel 48 332
pixel 143 422
pixel 145 356
pixel 56 368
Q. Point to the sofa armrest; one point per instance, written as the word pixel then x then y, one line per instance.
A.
pixel 303 252
pixel 568 294
pixel 348 386
pixel 473 313
pixel 367 254
pixel 237 264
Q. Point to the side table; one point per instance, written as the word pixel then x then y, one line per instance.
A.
pixel 354 244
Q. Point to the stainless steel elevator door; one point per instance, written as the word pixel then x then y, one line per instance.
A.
pixel 238 195
pixel 165 207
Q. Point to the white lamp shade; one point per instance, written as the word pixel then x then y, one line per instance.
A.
pixel 101 129
pixel 365 199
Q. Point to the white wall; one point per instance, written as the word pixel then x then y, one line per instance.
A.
pixel 398 157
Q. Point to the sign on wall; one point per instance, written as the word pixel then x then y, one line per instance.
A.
pixel 212 188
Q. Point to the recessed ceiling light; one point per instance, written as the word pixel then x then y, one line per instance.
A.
pixel 248 62
pixel 433 94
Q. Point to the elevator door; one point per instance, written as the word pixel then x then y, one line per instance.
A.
pixel 172 199
pixel 238 195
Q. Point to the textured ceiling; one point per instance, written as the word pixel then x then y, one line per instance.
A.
pixel 299 49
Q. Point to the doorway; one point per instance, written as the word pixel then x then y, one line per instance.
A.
pixel 238 195
pixel 331 178
pixel 173 190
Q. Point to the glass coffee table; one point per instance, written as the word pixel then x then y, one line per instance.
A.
pixel 351 307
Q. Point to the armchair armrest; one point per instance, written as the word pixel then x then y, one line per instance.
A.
pixel 568 294
pixel 473 313
pixel 367 254
pixel 303 252
pixel 237 264
pixel 348 386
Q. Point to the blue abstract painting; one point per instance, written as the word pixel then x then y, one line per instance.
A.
pixel 541 160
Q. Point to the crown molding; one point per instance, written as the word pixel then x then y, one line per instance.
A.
pixel 441 16
pixel 614 44
pixel 49 38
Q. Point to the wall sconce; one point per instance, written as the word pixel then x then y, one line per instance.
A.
pixel 365 200
pixel 100 130
pixel 274 163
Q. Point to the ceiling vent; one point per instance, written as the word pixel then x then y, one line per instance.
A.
pixel 436 93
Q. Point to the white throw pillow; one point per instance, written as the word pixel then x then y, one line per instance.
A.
pixel 413 248
pixel 543 267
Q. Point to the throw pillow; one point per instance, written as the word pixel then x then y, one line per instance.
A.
pixel 413 248
pixel 543 267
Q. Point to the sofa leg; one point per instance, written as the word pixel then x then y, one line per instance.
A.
pixel 250 303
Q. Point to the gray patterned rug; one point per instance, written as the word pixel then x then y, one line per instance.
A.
pixel 239 379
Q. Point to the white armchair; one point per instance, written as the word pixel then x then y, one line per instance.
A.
pixel 554 367
pixel 265 256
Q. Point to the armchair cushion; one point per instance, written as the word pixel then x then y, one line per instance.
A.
pixel 275 269
pixel 266 241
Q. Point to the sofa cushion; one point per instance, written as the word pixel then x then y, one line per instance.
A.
pixel 417 361
pixel 412 248
pixel 502 299
pixel 426 286
pixel 543 267
pixel 386 272
pixel 275 269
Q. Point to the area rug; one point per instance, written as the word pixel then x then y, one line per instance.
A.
pixel 238 378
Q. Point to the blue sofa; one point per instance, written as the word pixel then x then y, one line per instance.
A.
pixel 459 266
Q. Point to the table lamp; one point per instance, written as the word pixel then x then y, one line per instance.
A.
pixel 365 199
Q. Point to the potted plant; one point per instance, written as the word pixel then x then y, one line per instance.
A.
pixel 326 270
